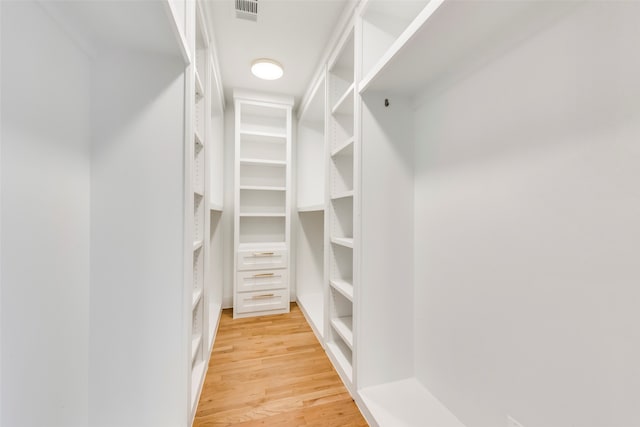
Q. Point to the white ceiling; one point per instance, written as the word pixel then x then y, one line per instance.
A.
pixel 292 32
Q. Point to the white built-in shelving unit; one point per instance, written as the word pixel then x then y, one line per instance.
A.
pixel 118 144
pixel 205 150
pixel 199 228
pixel 311 165
pixel 342 189
pixel 262 220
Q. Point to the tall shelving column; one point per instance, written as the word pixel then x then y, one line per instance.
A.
pixel 311 195
pixel 262 219
pixel 201 309
pixel 341 191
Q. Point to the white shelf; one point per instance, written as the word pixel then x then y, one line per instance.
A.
pixel 344 105
pixel 262 188
pixel 340 358
pixel 311 208
pixel 312 304
pixel 343 287
pixel 262 246
pixel 342 195
pixel 344 327
pixel 345 149
pixel 197 138
pixel 215 207
pixel 262 215
pixel 197 378
pixel 197 245
pixel 263 162
pixel 195 345
pixel 197 296
pixel 280 135
pixel 343 241
pixel 418 57
pixel 406 403
pixel 199 87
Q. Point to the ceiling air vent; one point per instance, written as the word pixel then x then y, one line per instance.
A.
pixel 247 9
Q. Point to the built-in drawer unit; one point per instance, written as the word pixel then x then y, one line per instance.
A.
pixel 261 301
pixel 262 259
pixel 261 280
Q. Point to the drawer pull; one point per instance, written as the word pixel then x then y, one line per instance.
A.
pixel 263 296
pixel 263 254
pixel 264 275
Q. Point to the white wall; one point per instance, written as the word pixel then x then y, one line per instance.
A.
pixel 45 222
pixel 138 339
pixel 309 147
pixel 527 236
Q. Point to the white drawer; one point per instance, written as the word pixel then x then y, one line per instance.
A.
pixel 247 302
pixel 262 259
pixel 262 279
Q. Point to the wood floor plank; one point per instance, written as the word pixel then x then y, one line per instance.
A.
pixel 271 371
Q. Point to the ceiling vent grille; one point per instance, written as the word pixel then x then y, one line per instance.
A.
pixel 247 9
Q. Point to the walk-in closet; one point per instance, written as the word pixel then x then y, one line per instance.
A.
pixel 394 213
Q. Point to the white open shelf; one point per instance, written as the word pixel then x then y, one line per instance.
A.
pixel 347 242
pixel 263 162
pixel 311 208
pixel 341 355
pixel 344 327
pixel 406 403
pixel 346 148
pixel 197 378
pixel 197 296
pixel 196 342
pixel 262 188
pixel 197 137
pixel 344 287
pixel 418 58
pixel 258 246
pixel 280 137
pixel 312 304
pixel 199 86
pixel 342 195
pixel 344 105
pixel 262 215
pixel 382 23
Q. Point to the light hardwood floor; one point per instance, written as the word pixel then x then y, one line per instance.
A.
pixel 271 371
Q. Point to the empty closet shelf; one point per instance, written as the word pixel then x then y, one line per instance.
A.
pixel 347 242
pixel 344 105
pixel 343 287
pixel 263 162
pixel 197 296
pixel 262 215
pixel 265 134
pixel 344 149
pixel 343 326
pixel 342 195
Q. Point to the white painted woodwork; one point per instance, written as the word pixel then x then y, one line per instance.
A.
pixel 262 201
pixel 341 189
pixel 509 129
pixel 95 120
pixel 311 289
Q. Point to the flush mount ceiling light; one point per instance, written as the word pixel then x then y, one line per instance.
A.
pixel 266 69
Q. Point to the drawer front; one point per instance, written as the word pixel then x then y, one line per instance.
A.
pixel 262 259
pixel 261 280
pixel 247 302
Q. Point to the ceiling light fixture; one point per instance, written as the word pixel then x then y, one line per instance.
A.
pixel 267 69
